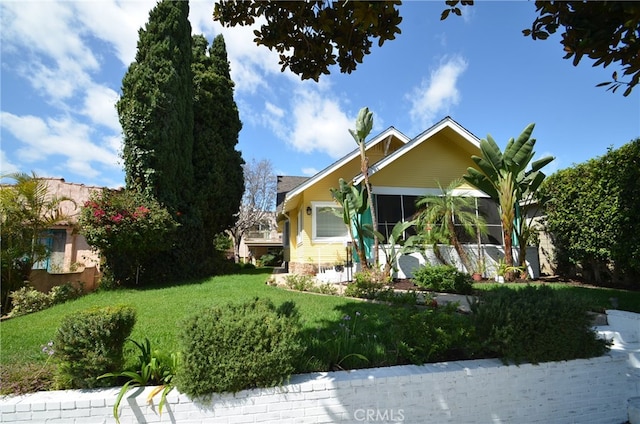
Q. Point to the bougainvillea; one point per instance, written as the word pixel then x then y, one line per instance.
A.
pixel 127 228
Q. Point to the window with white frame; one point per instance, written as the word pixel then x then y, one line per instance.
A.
pixel 328 224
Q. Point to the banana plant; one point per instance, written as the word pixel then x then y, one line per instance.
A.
pixel 364 125
pixel 505 177
pixel 354 202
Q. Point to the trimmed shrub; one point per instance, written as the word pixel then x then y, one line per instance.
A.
pixel 90 343
pixel 298 282
pixel 235 347
pixel 431 335
pixel 366 285
pixel 443 278
pixel 28 300
pixel 535 324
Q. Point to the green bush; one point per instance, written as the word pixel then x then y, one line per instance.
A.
pixel 443 278
pixel 90 343
pixel 535 324
pixel 298 282
pixel 65 292
pixel 28 300
pixel 366 285
pixel 430 335
pixel 236 347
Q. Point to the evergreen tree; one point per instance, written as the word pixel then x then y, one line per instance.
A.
pixel 156 114
pixel 217 164
pixel 156 109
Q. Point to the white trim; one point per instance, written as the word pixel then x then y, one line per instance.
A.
pixel 417 191
pixel 299 227
pixel 314 238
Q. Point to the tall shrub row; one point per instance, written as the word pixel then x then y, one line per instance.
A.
pixel 593 218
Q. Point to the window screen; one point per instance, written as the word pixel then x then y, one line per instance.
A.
pixel 329 222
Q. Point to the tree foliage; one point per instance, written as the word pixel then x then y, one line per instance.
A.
pixel 181 126
pixel 593 218
pixel 305 34
pixel 607 32
pixel 27 209
pixel 217 165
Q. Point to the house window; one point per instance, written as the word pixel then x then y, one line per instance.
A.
pixel 55 240
pixel 488 209
pixel 328 224
pixel 391 209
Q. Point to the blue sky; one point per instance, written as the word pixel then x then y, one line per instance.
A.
pixel 63 63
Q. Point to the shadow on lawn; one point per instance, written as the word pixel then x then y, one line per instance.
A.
pixel 266 271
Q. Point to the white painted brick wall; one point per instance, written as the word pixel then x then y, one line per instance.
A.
pixel 582 391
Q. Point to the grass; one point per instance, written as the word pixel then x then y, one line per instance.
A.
pixel 381 333
pixel 598 298
pixel 160 310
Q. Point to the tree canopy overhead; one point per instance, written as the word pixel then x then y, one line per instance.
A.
pixel 305 34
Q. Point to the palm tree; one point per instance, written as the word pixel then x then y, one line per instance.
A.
pixel 26 211
pixel 443 212
pixel 503 177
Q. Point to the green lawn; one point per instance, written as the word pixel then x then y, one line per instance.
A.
pixel 161 309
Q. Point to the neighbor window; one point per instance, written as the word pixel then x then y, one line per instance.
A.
pixel 328 224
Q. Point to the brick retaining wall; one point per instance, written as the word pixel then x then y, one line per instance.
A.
pixel 481 391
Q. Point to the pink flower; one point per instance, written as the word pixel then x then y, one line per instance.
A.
pixel 98 213
pixel 117 218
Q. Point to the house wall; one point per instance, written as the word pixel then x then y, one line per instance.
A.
pixel 86 279
pixel 592 390
pixel 437 160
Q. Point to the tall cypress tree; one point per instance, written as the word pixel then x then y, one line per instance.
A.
pixel 156 108
pixel 216 162
pixel 156 114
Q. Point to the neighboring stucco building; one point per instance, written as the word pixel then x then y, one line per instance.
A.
pixel 72 259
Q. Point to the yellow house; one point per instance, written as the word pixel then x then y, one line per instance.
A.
pixel 400 171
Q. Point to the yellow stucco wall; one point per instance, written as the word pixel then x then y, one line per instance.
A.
pixel 441 159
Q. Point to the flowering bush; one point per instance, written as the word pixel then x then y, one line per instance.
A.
pixel 124 220
pixel 127 228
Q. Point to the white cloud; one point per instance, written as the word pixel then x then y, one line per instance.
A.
pixel 7 167
pixel 309 171
pixel 320 125
pixel 437 93
pixel 41 140
pixel 99 106
pixel 115 22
